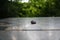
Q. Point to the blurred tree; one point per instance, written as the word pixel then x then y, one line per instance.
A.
pixel 34 8
pixel 57 8
pixel 3 8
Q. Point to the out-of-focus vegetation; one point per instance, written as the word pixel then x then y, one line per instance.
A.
pixel 34 8
pixel 3 8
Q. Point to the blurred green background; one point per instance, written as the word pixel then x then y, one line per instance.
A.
pixel 29 8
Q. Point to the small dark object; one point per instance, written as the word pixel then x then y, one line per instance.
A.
pixel 33 22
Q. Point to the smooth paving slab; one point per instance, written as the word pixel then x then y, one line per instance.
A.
pixel 46 28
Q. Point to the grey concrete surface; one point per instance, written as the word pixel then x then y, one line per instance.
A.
pixel 43 23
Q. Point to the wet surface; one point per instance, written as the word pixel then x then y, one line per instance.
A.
pixel 47 26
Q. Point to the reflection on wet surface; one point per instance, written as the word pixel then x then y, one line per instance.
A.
pixel 44 29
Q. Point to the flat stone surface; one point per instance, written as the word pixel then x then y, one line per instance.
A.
pixel 50 29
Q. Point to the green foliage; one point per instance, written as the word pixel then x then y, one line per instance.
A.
pixel 34 8
pixel 31 9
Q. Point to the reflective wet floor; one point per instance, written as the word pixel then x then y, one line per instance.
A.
pixel 46 28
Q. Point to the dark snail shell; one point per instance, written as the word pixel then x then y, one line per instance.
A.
pixel 33 22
